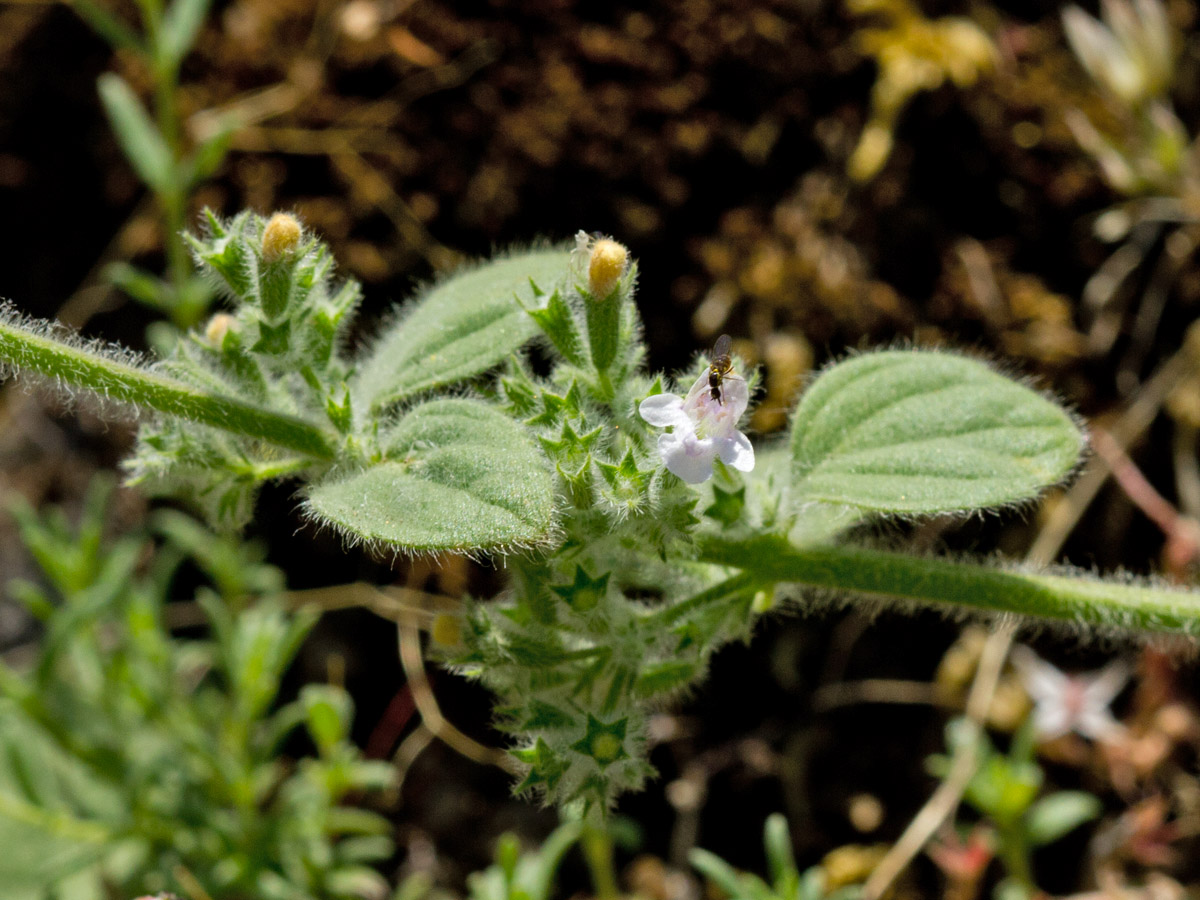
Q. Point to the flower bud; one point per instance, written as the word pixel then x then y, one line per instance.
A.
pixel 280 236
pixel 606 265
pixel 446 631
pixel 219 326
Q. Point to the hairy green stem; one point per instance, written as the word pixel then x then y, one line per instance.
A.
pixel 1077 600
pixel 129 384
pixel 736 584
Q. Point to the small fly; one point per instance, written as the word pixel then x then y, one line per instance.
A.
pixel 720 367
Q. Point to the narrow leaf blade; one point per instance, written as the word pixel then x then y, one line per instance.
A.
pixel 459 328
pixel 913 432
pixel 143 146
pixel 42 848
pixel 208 157
pixel 108 26
pixel 460 476
pixel 180 25
pixel 47 800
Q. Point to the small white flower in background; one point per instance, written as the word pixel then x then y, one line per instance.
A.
pixel 703 428
pixel 1130 53
pixel 1064 703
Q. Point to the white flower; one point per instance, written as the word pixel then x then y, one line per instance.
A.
pixel 702 428
pixel 1130 53
pixel 1064 703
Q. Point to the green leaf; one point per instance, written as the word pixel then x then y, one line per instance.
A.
pixel 180 24
pixel 144 147
pixel 716 870
pixel 108 26
pixel 1054 816
pixel 328 713
pixel 209 155
pixel 537 875
pixel 738 885
pixel 41 848
pixel 923 432
pixel 355 881
pixel 459 476
pixel 142 286
pixel 46 796
pixel 458 328
pixel 781 859
pixel 658 678
pixel 557 322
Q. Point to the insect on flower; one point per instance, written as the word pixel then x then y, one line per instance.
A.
pixel 720 367
pixel 703 425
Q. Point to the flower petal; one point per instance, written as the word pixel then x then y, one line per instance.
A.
pixel 1098 724
pixel 698 391
pixel 1041 680
pixel 737 451
pixel 1102 687
pixel 664 410
pixel 687 457
pixel 1051 720
pixel 736 394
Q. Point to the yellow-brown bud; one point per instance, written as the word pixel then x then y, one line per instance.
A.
pixel 280 237
pixel 218 326
pixel 606 265
pixel 446 630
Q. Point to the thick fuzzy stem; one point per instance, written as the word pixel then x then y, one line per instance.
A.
pixel 937 582
pixel 24 349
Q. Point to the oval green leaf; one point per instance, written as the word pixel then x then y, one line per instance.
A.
pixel 459 476
pixel 916 432
pixel 1056 815
pixel 458 328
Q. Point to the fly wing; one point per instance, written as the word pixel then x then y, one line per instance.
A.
pixel 722 347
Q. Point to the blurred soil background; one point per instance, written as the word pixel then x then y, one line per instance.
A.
pixel 714 137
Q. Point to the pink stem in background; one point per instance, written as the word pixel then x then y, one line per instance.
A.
pixel 1181 533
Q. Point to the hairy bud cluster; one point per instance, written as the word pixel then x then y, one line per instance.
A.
pixel 278 347
pixel 576 652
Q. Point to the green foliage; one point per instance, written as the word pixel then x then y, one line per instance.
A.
pixel 1004 788
pixel 457 329
pixel 128 755
pixel 181 23
pixel 460 476
pixel 919 432
pixel 1056 815
pixel 451 475
pixel 518 875
pixel 143 145
pixel 134 760
pixel 786 882
pixel 623 579
pixel 154 145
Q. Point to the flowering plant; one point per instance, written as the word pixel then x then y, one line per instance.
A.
pixel 703 428
pixel 631 553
